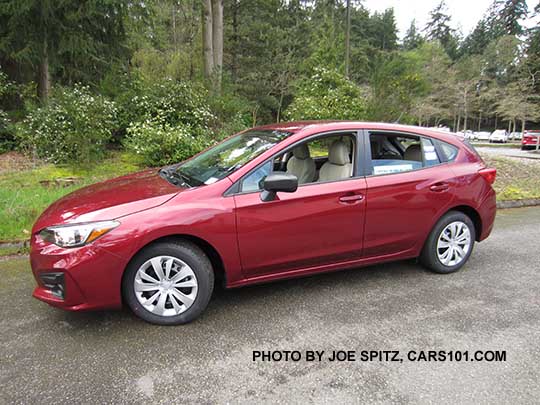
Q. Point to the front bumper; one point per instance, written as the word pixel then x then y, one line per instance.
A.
pixel 84 278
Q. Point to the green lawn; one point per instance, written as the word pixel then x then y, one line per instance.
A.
pixel 24 194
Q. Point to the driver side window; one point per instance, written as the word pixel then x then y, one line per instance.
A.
pixel 321 159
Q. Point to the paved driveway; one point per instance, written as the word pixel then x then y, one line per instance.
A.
pixel 47 355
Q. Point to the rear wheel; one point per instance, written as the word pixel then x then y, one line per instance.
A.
pixel 168 283
pixel 449 244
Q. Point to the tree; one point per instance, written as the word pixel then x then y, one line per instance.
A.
pixel 438 29
pixel 385 35
pixel 412 38
pixel 70 41
pixel 477 41
pixel 348 39
pixel 512 11
pixel 213 41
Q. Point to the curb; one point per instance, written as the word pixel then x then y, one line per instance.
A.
pixel 501 205
pixel 527 202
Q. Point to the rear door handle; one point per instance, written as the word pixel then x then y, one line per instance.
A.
pixel 439 187
pixel 351 199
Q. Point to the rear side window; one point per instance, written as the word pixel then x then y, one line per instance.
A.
pixel 397 153
pixel 450 151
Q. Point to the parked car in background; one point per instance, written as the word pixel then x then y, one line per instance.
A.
pixel 271 203
pixel 499 135
pixel 530 139
pixel 516 136
pixel 482 136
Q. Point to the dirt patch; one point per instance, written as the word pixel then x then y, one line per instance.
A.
pixel 15 161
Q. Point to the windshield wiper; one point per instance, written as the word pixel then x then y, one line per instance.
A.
pixel 172 176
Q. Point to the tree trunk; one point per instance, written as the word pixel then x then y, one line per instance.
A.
pixel 44 78
pixel 191 39
pixel 479 120
pixel 509 125
pixel 496 116
pixel 217 41
pixel 173 21
pixel 208 51
pixel 522 127
pixel 348 39
pixel 234 66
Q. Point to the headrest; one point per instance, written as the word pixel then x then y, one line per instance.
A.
pixel 338 154
pixel 413 152
pixel 301 151
pixel 375 152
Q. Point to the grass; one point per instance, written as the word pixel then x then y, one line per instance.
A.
pixel 497 145
pixel 24 193
pixel 516 178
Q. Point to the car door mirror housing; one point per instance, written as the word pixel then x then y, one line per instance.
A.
pixel 278 181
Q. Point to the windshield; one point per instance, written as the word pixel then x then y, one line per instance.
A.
pixel 227 157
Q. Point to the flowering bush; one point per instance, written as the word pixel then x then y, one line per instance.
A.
pixel 327 95
pixel 7 141
pixel 75 126
pixel 169 101
pixel 158 143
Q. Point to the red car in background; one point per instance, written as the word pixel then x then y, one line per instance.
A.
pixel 270 203
pixel 530 139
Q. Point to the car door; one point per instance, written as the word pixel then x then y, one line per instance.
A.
pixel 318 224
pixel 404 199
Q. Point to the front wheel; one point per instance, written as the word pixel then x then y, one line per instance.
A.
pixel 449 244
pixel 168 283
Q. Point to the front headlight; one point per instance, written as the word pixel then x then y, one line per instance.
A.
pixel 76 235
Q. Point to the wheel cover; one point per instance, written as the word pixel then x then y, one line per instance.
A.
pixel 165 286
pixel 454 243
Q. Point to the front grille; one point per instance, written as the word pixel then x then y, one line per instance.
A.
pixel 54 282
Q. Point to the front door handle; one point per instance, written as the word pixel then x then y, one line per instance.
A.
pixel 351 199
pixel 439 187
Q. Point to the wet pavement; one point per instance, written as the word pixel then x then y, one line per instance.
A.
pixel 47 355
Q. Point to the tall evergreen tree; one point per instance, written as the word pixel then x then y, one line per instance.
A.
pixel 412 38
pixel 438 29
pixel 512 12
pixel 71 41
pixel 477 41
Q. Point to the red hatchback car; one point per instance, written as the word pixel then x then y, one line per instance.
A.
pixel 270 203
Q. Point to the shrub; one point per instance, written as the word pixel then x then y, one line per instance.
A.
pixel 158 143
pixel 169 101
pixel 327 95
pixel 74 126
pixel 7 140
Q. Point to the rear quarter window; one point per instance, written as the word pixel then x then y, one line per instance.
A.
pixel 450 152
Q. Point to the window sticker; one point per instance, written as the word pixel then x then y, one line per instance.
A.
pixel 391 169
pixel 431 155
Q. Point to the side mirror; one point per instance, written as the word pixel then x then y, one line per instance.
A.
pixel 278 181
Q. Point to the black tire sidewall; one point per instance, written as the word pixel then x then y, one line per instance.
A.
pixel 192 256
pixel 429 257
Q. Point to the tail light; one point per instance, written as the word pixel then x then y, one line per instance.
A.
pixel 489 174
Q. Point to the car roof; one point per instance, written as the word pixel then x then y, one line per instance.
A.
pixel 305 127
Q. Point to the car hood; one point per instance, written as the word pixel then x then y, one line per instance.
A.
pixel 109 199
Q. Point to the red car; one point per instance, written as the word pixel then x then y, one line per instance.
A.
pixel 530 139
pixel 270 203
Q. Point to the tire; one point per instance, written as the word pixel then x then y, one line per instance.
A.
pixel 433 252
pixel 164 301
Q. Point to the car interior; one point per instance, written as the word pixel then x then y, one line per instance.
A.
pixel 331 158
pixel 323 159
pixel 393 153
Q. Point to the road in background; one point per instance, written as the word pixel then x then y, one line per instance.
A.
pixel 48 355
